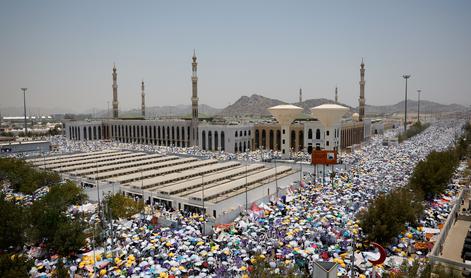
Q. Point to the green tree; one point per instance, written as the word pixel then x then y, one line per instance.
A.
pixel 23 178
pixel 14 266
pixel 69 238
pixel 63 195
pixel 12 229
pixel 388 213
pixel 431 176
pixel 122 206
pixel 413 130
pixel 50 224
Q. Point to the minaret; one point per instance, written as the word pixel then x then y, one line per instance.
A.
pixel 361 106
pixel 336 95
pixel 300 95
pixel 115 93
pixel 194 103
pixel 143 100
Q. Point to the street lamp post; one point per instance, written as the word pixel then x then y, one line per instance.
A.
pixel 276 181
pixel 405 76
pixel 246 193
pixel 418 105
pixel 202 192
pixel 24 105
pixel 97 189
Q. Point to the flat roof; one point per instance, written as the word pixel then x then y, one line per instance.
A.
pixel 23 143
pixel 70 159
pixel 152 158
pixel 185 186
pixel 93 164
pixel 122 172
pixel 165 170
pixel 65 156
pixel 225 188
pixel 159 180
pixel 102 157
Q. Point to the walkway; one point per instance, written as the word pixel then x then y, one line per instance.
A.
pixel 455 240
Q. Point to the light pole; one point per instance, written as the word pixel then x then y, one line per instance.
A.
pixel 202 192
pixel 405 76
pixel 24 104
pixel 246 193
pixel 418 105
pixel 276 181
pixel 300 172
pixel 97 189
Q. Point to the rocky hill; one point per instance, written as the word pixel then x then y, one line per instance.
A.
pixel 255 105
pixel 309 103
pixel 425 107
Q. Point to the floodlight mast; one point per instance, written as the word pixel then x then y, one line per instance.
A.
pixel 24 105
pixel 405 76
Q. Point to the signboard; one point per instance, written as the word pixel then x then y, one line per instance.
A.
pixel 324 157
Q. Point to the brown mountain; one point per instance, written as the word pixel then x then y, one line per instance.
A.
pixel 309 103
pixel 255 106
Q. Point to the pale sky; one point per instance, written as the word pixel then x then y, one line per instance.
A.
pixel 63 51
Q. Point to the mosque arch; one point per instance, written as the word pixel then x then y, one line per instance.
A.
pixel 223 142
pixel 210 141
pixel 203 143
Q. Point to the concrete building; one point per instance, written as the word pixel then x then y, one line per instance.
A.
pixel 268 136
pixel 229 138
pixel 221 189
pixel 155 132
pixel 25 147
pixel 316 137
pixel 301 135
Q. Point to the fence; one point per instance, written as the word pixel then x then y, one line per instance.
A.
pixel 437 249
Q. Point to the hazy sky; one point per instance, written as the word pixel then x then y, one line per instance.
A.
pixel 63 51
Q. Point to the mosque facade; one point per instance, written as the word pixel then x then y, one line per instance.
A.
pixel 306 135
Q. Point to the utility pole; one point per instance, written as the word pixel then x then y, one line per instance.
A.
pixel 300 172
pixel 418 105
pixel 276 181
pixel 202 191
pixel 246 193
pixel 97 189
pixel 24 106
pixel 405 76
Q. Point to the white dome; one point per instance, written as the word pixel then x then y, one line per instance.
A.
pixel 356 117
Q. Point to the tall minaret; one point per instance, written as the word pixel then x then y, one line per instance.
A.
pixel 143 100
pixel 115 93
pixel 336 95
pixel 300 95
pixel 361 106
pixel 194 103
